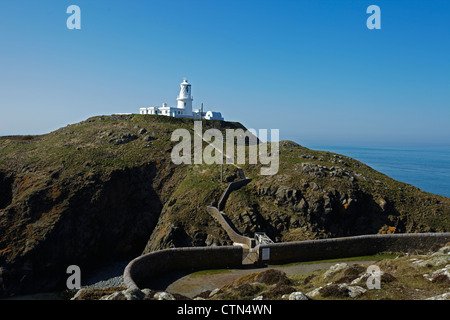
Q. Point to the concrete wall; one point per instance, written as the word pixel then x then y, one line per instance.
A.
pixel 146 267
pixel 349 247
pixel 233 234
pixel 224 222
pixel 231 187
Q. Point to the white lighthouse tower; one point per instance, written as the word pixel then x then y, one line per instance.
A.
pixel 183 108
pixel 185 98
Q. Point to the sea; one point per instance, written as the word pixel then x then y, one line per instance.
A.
pixel 427 168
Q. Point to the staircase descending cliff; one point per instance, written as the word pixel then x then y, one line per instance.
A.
pixel 249 245
pixel 250 253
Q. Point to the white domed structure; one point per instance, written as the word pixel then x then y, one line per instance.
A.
pixel 183 108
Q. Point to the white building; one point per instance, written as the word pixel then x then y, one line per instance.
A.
pixel 183 108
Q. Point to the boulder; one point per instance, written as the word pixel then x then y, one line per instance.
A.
pixel 214 292
pixel 148 294
pixel 335 268
pixel 123 138
pixel 148 138
pixel 353 291
pixel 314 186
pixel 128 294
pixel 333 290
pixel 119 295
pixel 441 273
pixel 79 294
pixel 314 293
pixel 444 296
pixel 301 206
pixel 445 250
pixel 341 290
pixel 436 259
pixel 285 194
pixel 298 296
pixel 133 294
pixel 163 296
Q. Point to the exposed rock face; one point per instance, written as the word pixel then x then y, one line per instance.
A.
pixel 91 223
pixel 309 208
pixel 5 190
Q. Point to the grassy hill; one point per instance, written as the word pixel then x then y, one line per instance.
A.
pixel 106 189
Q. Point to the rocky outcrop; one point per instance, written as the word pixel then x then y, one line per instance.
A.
pixel 131 294
pixel 314 209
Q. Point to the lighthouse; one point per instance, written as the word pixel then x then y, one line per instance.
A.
pixel 183 108
pixel 185 98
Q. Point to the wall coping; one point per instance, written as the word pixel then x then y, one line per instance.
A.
pixel 128 271
pixel 361 237
pixel 130 282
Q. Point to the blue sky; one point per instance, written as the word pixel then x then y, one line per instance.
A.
pixel 309 68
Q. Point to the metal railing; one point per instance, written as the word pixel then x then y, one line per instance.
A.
pixel 262 238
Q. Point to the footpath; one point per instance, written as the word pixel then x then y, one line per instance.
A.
pixel 195 283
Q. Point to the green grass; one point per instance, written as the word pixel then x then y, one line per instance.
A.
pixel 375 257
pixel 202 273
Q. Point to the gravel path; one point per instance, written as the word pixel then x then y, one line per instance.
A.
pixel 105 277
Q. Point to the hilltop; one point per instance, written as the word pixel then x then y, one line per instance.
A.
pixel 106 189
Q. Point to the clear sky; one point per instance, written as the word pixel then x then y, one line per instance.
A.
pixel 309 68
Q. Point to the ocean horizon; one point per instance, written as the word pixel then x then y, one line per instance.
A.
pixel 427 168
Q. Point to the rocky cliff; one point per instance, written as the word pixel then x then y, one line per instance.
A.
pixel 105 189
